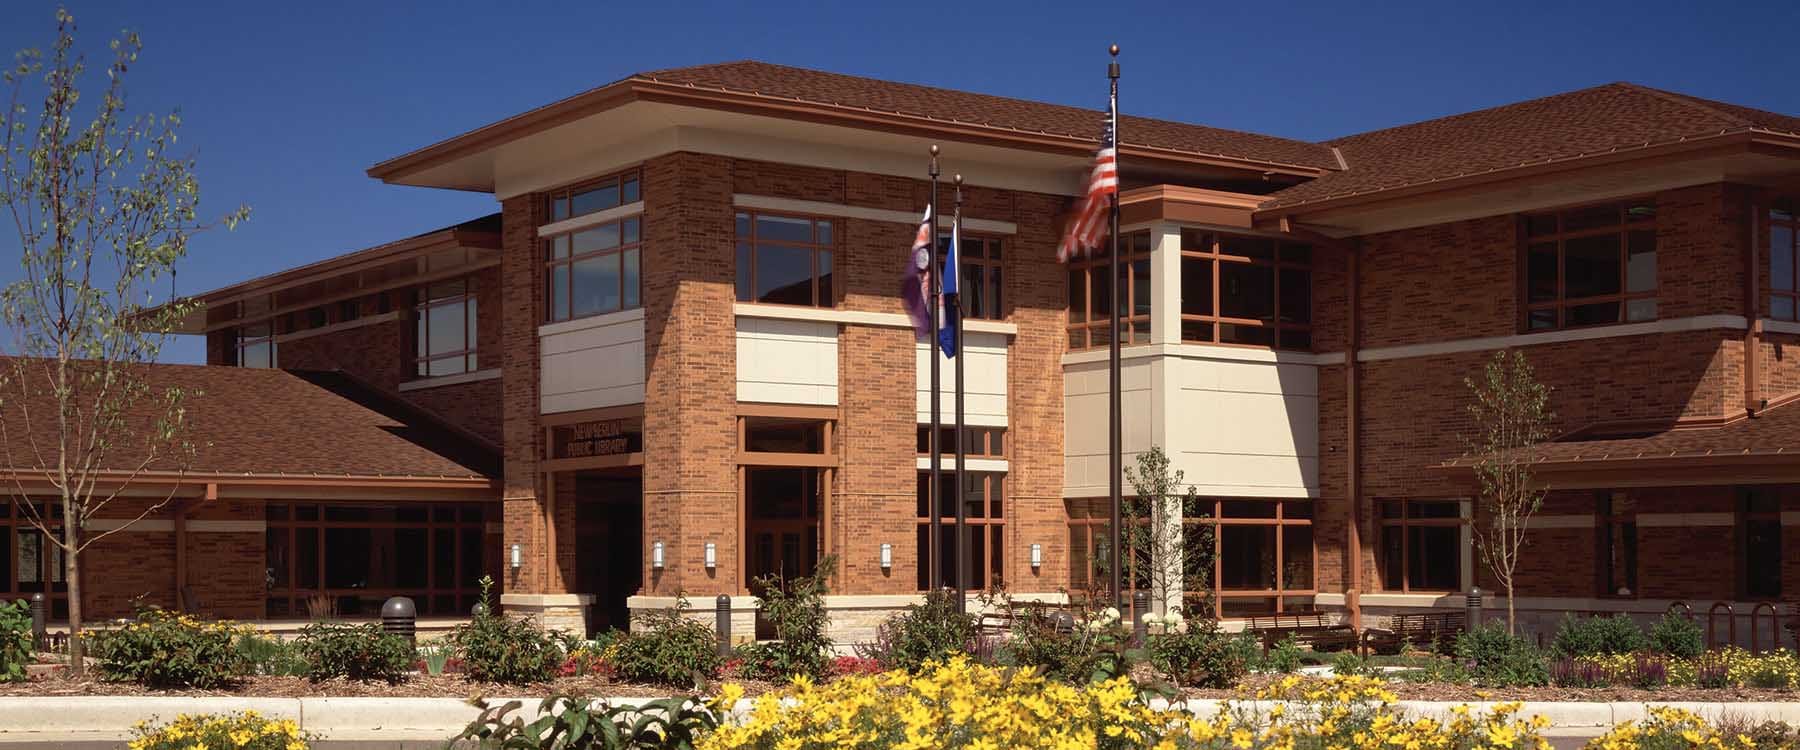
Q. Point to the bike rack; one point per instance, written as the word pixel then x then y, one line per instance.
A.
pixel 1711 626
pixel 1774 627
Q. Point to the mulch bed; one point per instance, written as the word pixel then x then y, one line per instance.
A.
pixel 420 686
pixel 1441 691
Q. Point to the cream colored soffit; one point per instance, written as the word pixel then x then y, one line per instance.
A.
pixel 590 220
pixel 1206 351
pixel 857 317
pixel 821 208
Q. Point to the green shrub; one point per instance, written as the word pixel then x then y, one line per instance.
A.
pixel 513 651
pixel 1350 664
pixel 164 650
pixel 15 640
pixel 268 655
pixel 1038 639
pixel 1283 658
pixel 796 609
pixel 930 631
pixel 573 722
pixel 1203 656
pixel 1500 659
pixel 363 653
pixel 1677 636
pixel 1594 636
pixel 669 649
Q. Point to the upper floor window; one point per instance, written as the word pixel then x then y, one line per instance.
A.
pixel 1784 273
pixel 256 345
pixel 445 329
pixel 785 260
pixel 607 192
pixel 1590 266
pixel 1245 290
pixel 594 270
pixel 981 275
pixel 1090 322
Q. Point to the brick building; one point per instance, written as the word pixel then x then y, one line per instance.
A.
pixel 681 340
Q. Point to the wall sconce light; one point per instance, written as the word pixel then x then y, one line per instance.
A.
pixel 1037 555
pixel 517 560
pixel 656 556
pixel 887 556
pixel 712 555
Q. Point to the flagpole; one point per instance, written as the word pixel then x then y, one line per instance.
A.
pixel 962 484
pixel 936 575
pixel 1115 432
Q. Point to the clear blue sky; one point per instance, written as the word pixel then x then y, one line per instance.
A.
pixel 288 103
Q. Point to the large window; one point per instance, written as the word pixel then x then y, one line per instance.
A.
pixel 1245 290
pixel 1421 545
pixel 984 500
pixel 349 558
pixel 785 260
pixel 256 345
pixel 607 192
pixel 1784 272
pixel 981 275
pixel 1590 266
pixel 1090 320
pixel 1241 556
pixel 785 473
pixel 444 329
pixel 29 563
pixel 1618 543
pixel 1759 519
pixel 594 270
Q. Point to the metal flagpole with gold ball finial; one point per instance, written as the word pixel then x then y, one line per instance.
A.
pixel 1115 431
pixel 934 500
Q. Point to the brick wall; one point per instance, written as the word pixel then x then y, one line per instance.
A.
pixel 521 293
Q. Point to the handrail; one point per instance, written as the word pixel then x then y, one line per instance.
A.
pixel 1711 626
pixel 1774 627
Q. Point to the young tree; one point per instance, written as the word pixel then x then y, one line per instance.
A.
pixel 1511 417
pixel 1159 548
pixel 103 211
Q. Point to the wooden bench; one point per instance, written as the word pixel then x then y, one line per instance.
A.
pixel 1436 630
pixel 1311 629
pixel 998 623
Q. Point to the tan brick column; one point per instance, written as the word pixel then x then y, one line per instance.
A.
pixel 1036 285
pixel 522 492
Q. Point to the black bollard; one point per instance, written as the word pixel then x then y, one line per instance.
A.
pixel 38 628
pixel 1140 606
pixel 1473 607
pixel 400 617
pixel 723 622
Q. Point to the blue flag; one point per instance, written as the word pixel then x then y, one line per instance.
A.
pixel 952 279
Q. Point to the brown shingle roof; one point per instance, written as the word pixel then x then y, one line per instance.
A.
pixel 1773 432
pixel 1603 119
pixel 256 421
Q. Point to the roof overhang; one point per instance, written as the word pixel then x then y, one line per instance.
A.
pixel 1186 205
pixel 616 114
pixel 263 486
pixel 1653 470
pixel 1752 157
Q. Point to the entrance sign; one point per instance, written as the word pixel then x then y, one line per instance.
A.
pixel 603 437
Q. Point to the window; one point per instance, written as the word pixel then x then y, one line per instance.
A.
pixel 256 345
pixel 984 518
pixel 29 563
pixel 978 442
pixel 1590 266
pixel 1759 519
pixel 1618 544
pixel 1261 553
pixel 355 556
pixel 981 275
pixel 784 260
pixel 1090 322
pixel 785 469
pixel 1421 545
pixel 607 192
pixel 1784 273
pixel 349 310
pixel 594 270
pixel 1245 290
pixel 444 332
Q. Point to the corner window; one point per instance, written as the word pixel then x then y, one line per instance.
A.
pixel 1261 557
pixel 1592 265
pixel 256 345
pixel 1784 273
pixel 1618 544
pixel 607 192
pixel 594 270
pixel 1090 322
pixel 1759 529
pixel 785 260
pixel 981 275
pixel 444 333
pixel 1255 291
pixel 785 470
pixel 1421 545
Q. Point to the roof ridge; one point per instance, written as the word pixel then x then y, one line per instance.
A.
pixel 1694 102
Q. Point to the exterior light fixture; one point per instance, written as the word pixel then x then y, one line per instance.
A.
pixel 516 559
pixel 656 556
pixel 1037 555
pixel 887 556
pixel 712 555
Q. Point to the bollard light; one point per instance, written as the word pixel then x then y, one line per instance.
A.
pixel 400 616
pixel 712 555
pixel 656 555
pixel 887 556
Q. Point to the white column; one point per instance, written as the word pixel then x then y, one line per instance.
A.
pixel 1165 283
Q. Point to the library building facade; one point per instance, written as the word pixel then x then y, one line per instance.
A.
pixel 675 362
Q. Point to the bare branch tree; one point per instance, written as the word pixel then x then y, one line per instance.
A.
pixel 1511 417
pixel 1156 540
pixel 103 212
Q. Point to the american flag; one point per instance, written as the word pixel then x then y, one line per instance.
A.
pixel 1088 226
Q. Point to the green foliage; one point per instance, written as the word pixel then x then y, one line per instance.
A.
pixel 1593 636
pixel 1202 656
pixel 1349 664
pixel 1500 659
pixel 15 639
pixel 163 650
pixel 1677 636
pixel 925 632
pixel 1037 639
pixel 572 723
pixel 513 651
pixel 669 649
pixel 268 655
pixel 796 609
pixel 1283 657
pixel 436 657
pixel 364 653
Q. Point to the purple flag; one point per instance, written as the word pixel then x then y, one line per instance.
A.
pixel 915 287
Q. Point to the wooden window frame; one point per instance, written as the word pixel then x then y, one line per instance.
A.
pixel 563 195
pixel 422 358
pixel 629 299
pixel 1783 213
pixel 982 442
pixel 464 592
pixel 1561 303
pixel 12 523
pixel 989 265
pixel 988 443
pixel 1211 249
pixel 826 462
pixel 1091 332
pixel 242 342
pixel 815 247
pixel 1606 516
pixel 1401 525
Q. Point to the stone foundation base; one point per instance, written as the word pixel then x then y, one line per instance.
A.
pixel 552 611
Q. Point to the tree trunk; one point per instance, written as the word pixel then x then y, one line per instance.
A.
pixel 1512 622
pixel 72 576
